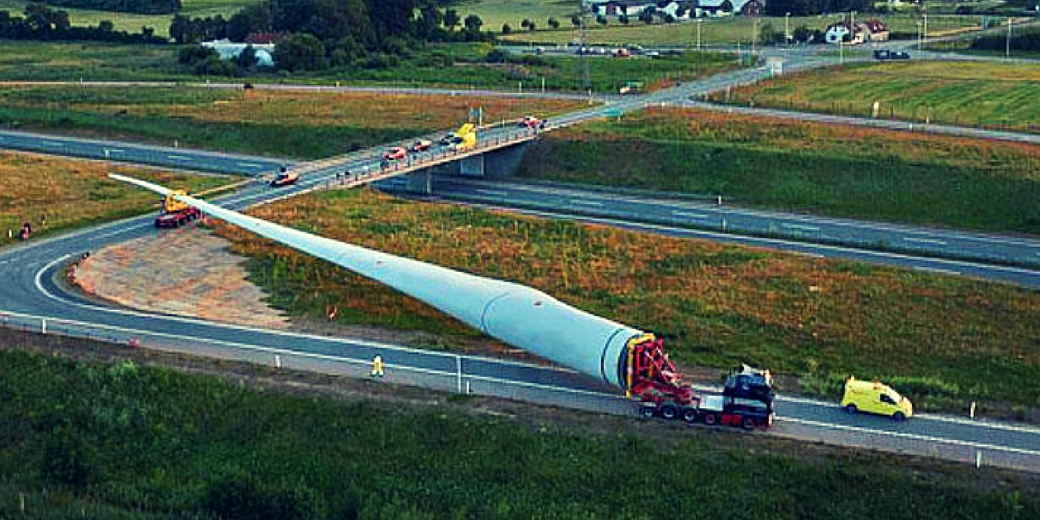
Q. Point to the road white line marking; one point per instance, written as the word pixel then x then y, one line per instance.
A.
pixel 114 150
pixel 801 227
pixel 495 193
pixel 688 214
pixel 52 143
pixel 178 157
pixel 713 234
pixel 925 241
pixel 930 417
pixel 912 436
pixel 587 202
pixel 249 165
pixel 936 270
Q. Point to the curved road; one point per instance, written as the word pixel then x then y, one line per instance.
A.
pixel 31 299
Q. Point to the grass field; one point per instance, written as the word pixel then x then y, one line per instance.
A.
pixel 132 23
pixel 277 123
pixel 797 166
pixel 457 66
pixel 54 194
pixel 47 61
pixel 990 95
pixel 727 31
pixel 943 339
pixel 119 440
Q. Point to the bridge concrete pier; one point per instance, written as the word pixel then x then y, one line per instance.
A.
pixel 499 163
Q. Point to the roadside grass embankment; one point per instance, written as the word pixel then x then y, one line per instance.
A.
pixel 305 125
pixel 803 166
pixel 122 439
pixel 55 194
pixel 999 96
pixel 716 305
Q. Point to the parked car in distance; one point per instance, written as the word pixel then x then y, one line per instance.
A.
pixel 395 153
pixel 420 146
pixel 877 398
pixel 885 54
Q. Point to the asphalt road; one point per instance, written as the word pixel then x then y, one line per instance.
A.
pixel 932 249
pixel 30 299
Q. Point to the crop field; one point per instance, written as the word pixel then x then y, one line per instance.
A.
pixel 495 13
pixel 276 123
pixel 131 22
pixel 54 194
pixel 991 95
pixel 799 166
pixel 49 61
pixel 120 439
pixel 943 339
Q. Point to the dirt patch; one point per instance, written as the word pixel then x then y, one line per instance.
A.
pixel 186 272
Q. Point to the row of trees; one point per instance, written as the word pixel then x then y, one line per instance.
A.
pixel 815 7
pixel 123 6
pixel 43 23
pixel 315 34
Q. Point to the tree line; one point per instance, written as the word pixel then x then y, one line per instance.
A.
pixel 815 7
pixel 40 22
pixel 123 6
pixel 316 34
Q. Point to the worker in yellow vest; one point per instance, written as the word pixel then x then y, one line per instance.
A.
pixel 377 366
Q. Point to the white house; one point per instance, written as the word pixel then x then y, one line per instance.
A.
pixel 229 50
pixel 859 32
pixel 698 9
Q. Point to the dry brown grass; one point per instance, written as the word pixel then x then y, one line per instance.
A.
pixel 718 305
pixel 54 193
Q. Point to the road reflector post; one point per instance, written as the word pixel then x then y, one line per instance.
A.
pixel 277 361
pixel 971 412
pixel 978 459
pixel 43 325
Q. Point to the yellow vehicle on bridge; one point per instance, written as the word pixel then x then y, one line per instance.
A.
pixel 465 138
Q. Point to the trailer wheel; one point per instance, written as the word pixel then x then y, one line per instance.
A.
pixel 899 417
pixel 851 409
pixel 669 411
pixel 710 419
pixel 647 412
pixel 689 415
pixel 749 423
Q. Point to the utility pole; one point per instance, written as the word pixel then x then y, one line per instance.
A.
pixel 1007 41
pixel 787 28
pixel 924 31
pixel 699 22
pixel 582 12
pixel 754 33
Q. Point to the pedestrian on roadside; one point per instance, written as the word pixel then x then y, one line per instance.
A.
pixel 377 366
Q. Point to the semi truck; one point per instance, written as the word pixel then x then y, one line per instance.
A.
pixel 174 213
pixel 746 400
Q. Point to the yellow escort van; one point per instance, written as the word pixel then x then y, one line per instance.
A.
pixel 874 397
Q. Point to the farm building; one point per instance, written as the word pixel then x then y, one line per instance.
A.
pixel 856 33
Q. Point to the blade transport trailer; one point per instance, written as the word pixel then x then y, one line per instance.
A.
pixel 746 400
pixel 617 354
